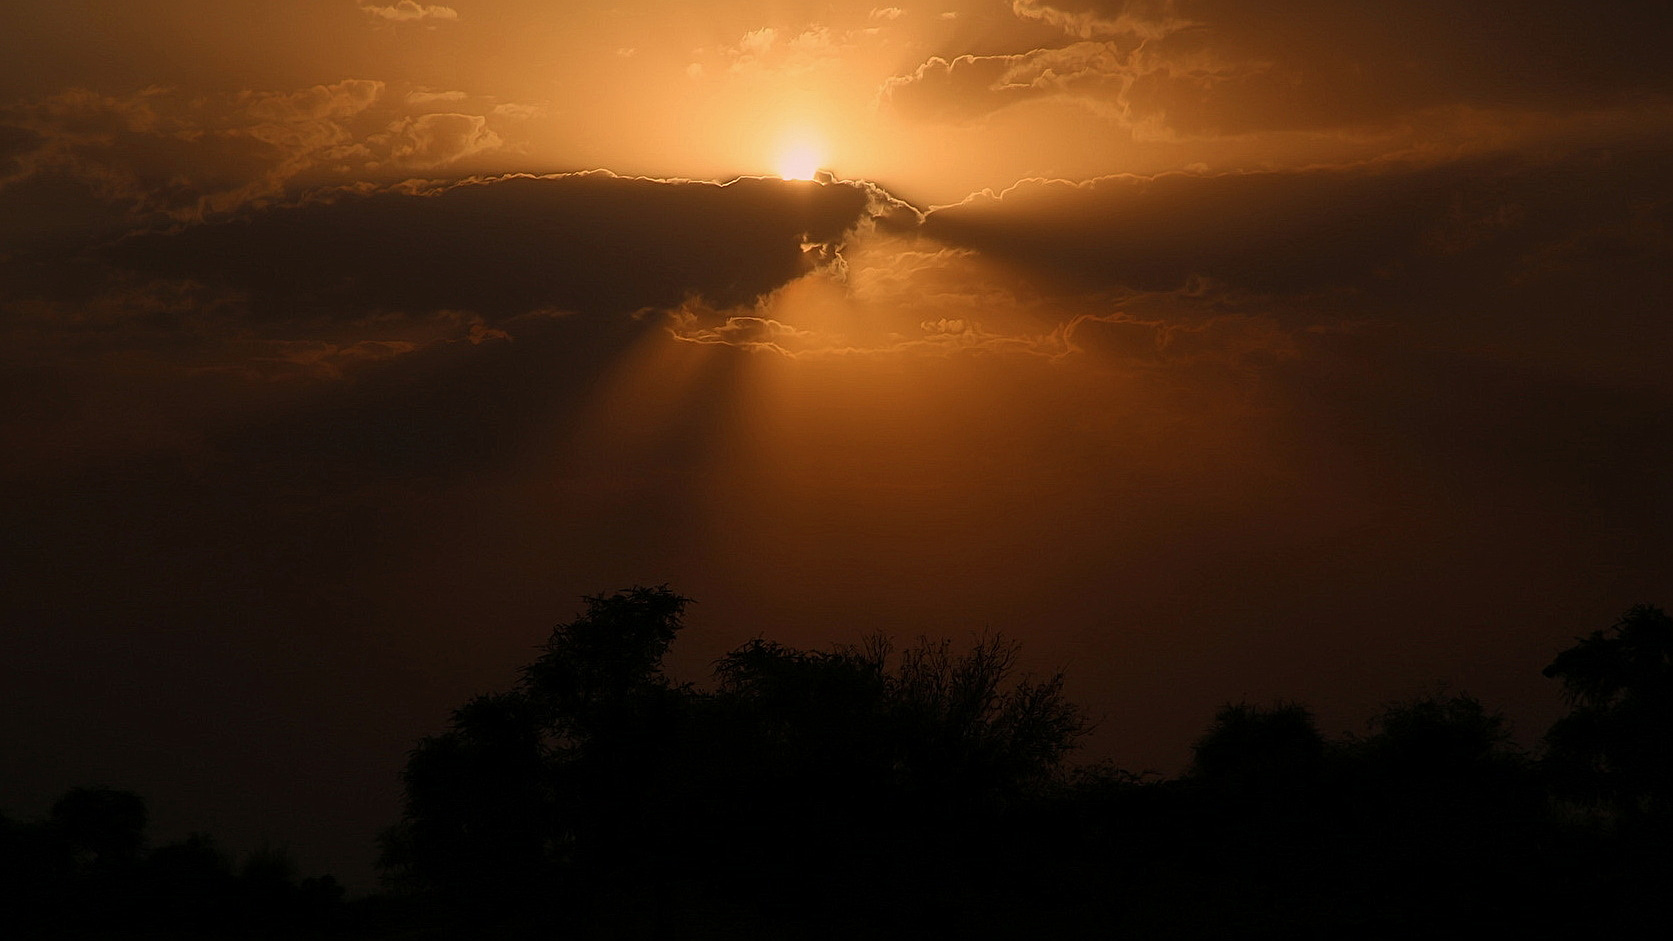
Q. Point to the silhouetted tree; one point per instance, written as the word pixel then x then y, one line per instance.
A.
pixel 476 799
pixel 591 670
pixel 932 719
pixel 596 778
pixel 892 766
pixel 1615 747
pixel 1439 735
pixel 84 872
pixel 191 882
pixel 528 782
pixel 977 720
pixel 1267 754
pixel 1444 757
pixel 105 827
pixel 1442 803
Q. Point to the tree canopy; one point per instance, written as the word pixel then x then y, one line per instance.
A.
pixel 1616 744
pixel 596 767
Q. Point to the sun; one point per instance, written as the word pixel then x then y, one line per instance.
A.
pixel 799 160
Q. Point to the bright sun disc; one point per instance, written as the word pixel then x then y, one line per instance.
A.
pixel 798 162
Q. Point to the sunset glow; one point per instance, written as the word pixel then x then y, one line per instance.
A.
pixel 799 161
pixel 1221 350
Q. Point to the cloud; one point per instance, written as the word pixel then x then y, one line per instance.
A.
pixel 1379 228
pixel 329 360
pixel 739 330
pixel 319 103
pixel 773 49
pixel 520 110
pixel 969 87
pixel 1209 68
pixel 1147 271
pixel 1149 19
pixel 159 151
pixel 1239 340
pixel 770 51
pixel 755 43
pixel 427 97
pixel 1471 257
pixel 406 11
pixel 961 89
pixel 501 247
pixel 434 140
pixel 17 145
pixel 465 302
pixel 892 292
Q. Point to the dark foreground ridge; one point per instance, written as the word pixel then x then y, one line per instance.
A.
pixel 865 791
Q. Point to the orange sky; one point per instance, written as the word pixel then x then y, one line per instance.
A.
pixel 1217 350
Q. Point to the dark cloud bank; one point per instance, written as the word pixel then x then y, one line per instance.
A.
pixel 589 244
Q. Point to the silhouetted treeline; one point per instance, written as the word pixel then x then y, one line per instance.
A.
pixel 866 791
pixel 86 870
pixel 599 786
